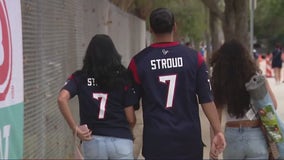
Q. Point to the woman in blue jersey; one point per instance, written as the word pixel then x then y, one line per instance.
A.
pixel 233 66
pixel 103 87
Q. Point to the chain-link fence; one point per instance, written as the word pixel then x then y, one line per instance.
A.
pixel 55 36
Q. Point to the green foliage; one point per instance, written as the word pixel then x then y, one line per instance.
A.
pixel 269 21
pixel 190 16
pixel 191 20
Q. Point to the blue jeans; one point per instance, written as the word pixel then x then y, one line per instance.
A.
pixel 245 143
pixel 103 147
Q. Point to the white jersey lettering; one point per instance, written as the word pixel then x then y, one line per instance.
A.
pixel 166 63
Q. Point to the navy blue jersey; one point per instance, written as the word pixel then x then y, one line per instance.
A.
pixel 171 79
pixel 276 58
pixel 102 111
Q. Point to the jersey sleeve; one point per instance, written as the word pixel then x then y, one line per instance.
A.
pixel 134 72
pixel 131 97
pixel 136 82
pixel 203 89
pixel 71 85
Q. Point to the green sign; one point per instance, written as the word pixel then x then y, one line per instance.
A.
pixel 11 132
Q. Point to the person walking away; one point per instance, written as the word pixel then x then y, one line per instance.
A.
pixel 233 67
pixel 103 87
pixel 277 63
pixel 171 79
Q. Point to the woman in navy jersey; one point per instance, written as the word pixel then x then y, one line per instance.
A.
pixel 103 87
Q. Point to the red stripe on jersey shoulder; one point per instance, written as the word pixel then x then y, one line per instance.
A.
pixel 126 87
pixel 164 44
pixel 132 67
pixel 200 59
pixel 71 77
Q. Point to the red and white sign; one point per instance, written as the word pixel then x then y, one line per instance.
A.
pixel 11 80
pixel 11 54
pixel 5 52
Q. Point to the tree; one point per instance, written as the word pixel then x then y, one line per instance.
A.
pixel 190 14
pixel 234 19
pixel 268 22
pixel 229 16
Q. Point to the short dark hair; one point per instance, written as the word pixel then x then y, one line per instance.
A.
pixel 162 20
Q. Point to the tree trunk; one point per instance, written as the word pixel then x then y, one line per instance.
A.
pixel 236 21
pixel 216 31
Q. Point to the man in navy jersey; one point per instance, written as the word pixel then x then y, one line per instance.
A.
pixel 171 79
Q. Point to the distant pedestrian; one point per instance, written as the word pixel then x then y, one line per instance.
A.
pixel 233 67
pixel 189 45
pixel 277 63
pixel 255 56
pixel 255 52
pixel 203 49
pixel 171 79
pixel 105 102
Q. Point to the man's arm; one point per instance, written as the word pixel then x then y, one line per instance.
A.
pixel 218 143
pixel 212 115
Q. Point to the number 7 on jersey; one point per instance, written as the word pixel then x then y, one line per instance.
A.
pixel 103 99
pixel 171 81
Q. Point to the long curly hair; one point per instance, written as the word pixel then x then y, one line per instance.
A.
pixel 103 62
pixel 233 66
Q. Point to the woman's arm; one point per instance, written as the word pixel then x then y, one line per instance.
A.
pixel 130 115
pixel 62 100
pixel 269 90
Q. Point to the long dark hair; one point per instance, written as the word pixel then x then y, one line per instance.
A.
pixel 233 66
pixel 103 62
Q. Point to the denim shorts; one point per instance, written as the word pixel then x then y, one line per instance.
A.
pixel 103 147
pixel 245 143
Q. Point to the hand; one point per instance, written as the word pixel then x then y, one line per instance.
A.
pixel 213 153
pixel 84 133
pixel 218 145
